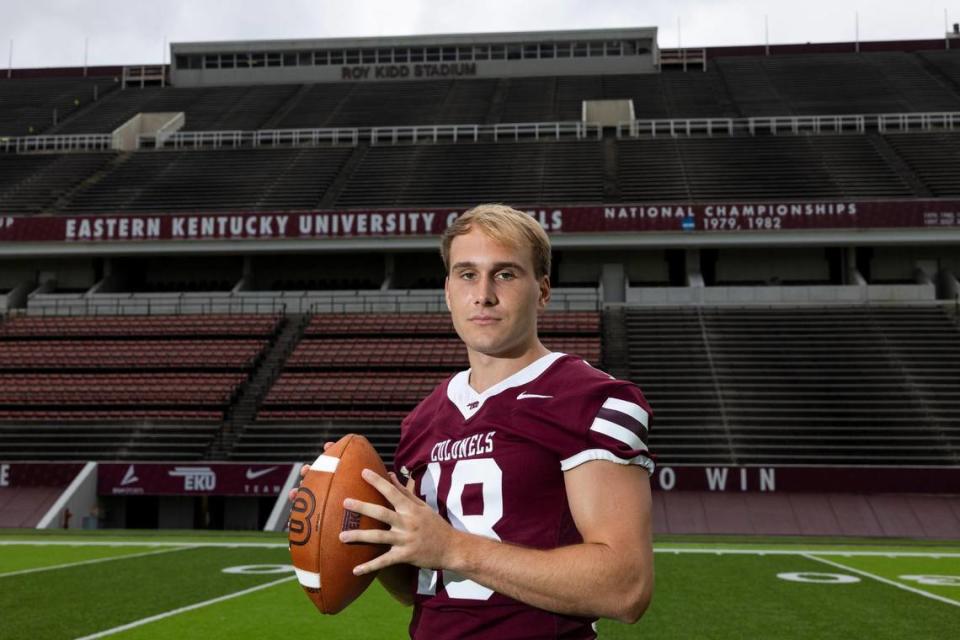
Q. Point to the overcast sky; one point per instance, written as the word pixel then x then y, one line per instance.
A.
pixel 56 32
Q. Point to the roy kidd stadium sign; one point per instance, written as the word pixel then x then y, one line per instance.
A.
pixel 715 217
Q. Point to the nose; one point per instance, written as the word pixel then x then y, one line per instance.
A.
pixel 485 294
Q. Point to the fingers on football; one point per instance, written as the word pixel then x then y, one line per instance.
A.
pixel 380 562
pixel 304 470
pixel 368 536
pixel 386 488
pixel 374 511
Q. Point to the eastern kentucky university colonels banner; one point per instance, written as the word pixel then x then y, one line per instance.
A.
pixel 670 217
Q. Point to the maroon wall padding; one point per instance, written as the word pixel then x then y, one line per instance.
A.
pixel 848 514
pixel 25 506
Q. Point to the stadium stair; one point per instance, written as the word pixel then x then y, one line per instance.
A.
pixel 244 409
pixel 343 176
pixel 899 165
pixel 938 72
pixel 273 122
pixel 611 160
pixel 495 110
pixel 117 161
pixel 616 360
pixel 55 178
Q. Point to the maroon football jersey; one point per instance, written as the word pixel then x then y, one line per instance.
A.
pixel 492 464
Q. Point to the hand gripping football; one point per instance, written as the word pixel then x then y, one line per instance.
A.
pixel 323 564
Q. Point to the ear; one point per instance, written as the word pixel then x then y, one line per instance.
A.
pixel 544 299
pixel 446 292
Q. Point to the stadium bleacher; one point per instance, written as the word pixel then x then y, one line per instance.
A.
pixel 933 158
pixel 833 84
pixel 450 174
pixel 534 172
pixel 32 106
pixel 265 179
pixel 808 385
pixel 370 368
pixel 216 108
pixel 36 183
pixel 122 386
pixel 654 169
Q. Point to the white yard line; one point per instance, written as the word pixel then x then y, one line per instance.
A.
pixel 173 612
pixel 676 550
pixel 81 563
pixel 892 583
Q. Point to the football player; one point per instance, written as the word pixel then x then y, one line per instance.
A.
pixel 520 492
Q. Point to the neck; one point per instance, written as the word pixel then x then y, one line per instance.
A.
pixel 487 370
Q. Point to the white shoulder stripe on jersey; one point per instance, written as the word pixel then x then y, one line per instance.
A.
pixel 617 432
pixel 632 409
pixel 325 463
pixel 603 454
pixel 308 578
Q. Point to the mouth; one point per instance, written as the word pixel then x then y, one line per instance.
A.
pixel 483 320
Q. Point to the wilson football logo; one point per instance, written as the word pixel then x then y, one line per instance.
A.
pixel 301 517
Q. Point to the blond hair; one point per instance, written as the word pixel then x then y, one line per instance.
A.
pixel 505 225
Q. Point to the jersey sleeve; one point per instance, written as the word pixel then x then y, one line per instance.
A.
pixel 615 428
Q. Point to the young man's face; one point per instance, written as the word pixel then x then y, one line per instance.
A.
pixel 494 295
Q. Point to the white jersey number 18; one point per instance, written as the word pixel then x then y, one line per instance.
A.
pixel 482 471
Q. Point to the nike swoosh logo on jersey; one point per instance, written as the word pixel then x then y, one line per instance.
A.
pixel 524 395
pixel 253 475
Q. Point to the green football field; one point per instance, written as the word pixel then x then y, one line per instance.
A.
pixel 184 585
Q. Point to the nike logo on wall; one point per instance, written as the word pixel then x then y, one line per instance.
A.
pixel 524 395
pixel 253 475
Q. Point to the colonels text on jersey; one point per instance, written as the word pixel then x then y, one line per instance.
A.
pixel 492 464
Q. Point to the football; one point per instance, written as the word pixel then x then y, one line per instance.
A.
pixel 323 564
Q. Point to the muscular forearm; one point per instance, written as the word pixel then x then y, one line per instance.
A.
pixel 588 579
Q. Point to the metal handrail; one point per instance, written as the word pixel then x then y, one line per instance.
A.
pixel 779 125
pixel 179 305
pixel 381 135
pixel 72 142
pixel 673 127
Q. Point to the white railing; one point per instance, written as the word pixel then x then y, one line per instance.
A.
pixel 780 125
pixel 922 121
pixel 348 301
pixel 807 124
pixel 478 132
pixel 76 142
pixel 415 300
pixel 261 138
pixel 163 133
pixel 677 127
pixel 53 304
pixel 378 135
